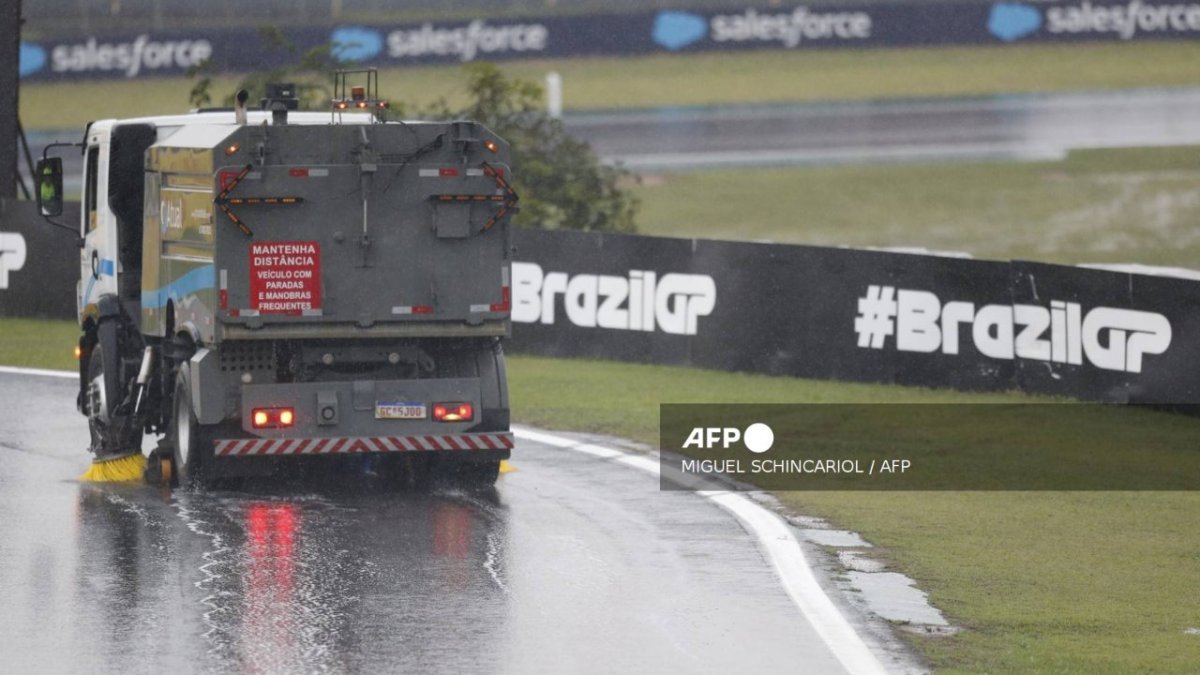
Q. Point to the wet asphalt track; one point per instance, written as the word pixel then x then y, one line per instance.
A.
pixel 1027 127
pixel 572 564
pixel 1036 126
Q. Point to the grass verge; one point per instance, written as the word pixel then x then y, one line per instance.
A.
pixel 1047 581
pixel 670 80
pixel 1121 205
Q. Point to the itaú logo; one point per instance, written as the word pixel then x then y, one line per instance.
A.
pixel 672 303
pixel 1111 338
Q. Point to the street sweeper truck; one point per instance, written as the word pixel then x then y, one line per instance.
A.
pixel 275 287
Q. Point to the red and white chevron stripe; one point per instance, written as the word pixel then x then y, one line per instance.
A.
pixel 251 447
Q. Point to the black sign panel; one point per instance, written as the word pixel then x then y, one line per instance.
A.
pixel 871 316
pixel 39 263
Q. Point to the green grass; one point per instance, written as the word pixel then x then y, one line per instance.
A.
pixel 1097 582
pixel 1129 205
pixel 36 343
pixel 706 79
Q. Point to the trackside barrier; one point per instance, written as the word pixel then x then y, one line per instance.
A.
pixel 804 311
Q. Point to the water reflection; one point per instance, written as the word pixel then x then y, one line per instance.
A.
pixel 292 577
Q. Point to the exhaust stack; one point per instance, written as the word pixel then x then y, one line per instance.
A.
pixel 239 107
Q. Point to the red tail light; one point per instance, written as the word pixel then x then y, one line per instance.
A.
pixel 453 412
pixel 272 418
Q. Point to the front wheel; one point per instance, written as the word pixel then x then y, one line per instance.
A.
pixel 112 432
pixel 191 440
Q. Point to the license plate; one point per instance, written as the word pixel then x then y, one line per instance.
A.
pixel 399 410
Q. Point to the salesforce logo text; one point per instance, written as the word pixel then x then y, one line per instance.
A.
pixel 467 42
pixel 1125 20
pixel 791 28
pixel 129 58
pixel 1108 337
pixel 640 301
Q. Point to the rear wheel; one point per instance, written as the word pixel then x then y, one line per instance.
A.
pixel 486 362
pixel 192 441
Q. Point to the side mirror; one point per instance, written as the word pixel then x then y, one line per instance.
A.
pixel 49 173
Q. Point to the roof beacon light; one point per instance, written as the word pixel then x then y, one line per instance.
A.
pixel 362 97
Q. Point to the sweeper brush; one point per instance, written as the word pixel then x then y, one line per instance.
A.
pixel 123 469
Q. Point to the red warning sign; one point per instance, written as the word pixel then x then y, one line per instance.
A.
pixel 285 276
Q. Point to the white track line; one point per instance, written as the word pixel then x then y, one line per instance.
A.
pixel 39 372
pixel 778 543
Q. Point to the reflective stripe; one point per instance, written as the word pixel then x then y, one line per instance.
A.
pixel 248 447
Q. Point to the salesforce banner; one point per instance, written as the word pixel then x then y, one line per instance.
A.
pixel 785 26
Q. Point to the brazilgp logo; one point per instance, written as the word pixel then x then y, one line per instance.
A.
pixel 12 255
pixel 1011 21
pixel 758 438
pixel 640 301
pixel 1109 337
pixel 676 30
pixel 355 43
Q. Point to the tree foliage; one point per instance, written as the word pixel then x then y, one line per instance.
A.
pixel 311 71
pixel 562 183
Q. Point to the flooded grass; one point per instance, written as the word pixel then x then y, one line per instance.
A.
pixel 1130 205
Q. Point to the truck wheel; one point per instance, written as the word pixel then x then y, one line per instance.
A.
pixel 102 381
pixel 191 440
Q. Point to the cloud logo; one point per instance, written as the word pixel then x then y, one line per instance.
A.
pixel 33 58
pixel 352 43
pixel 675 30
pixel 1011 21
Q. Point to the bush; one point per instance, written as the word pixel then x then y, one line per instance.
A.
pixel 562 183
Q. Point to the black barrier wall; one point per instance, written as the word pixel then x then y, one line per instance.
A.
pixel 868 316
pixel 39 263
pixel 786 26
pixel 804 311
